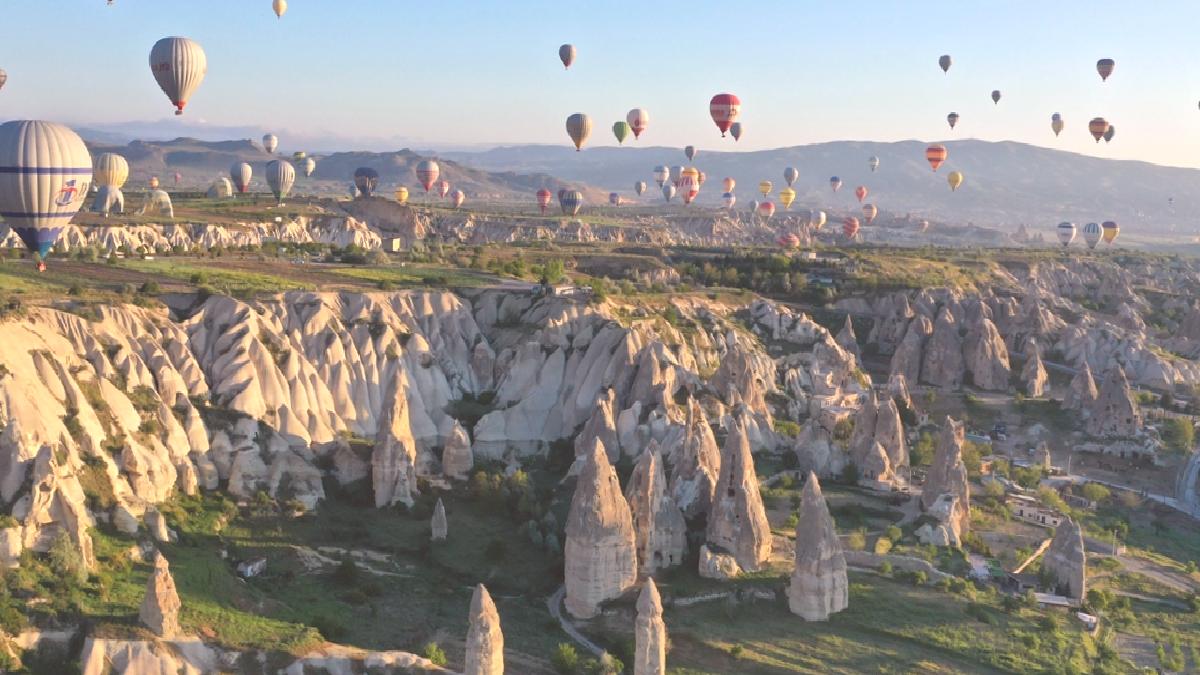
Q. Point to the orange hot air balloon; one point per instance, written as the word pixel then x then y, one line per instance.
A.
pixel 1098 127
pixel 861 192
pixel 543 199
pixel 850 227
pixel 936 154
pixel 728 184
pixel 869 212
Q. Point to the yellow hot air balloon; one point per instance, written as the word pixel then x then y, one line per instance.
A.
pixel 111 169
pixel 786 196
pixel 280 7
pixel 402 194
pixel 955 179
pixel 765 187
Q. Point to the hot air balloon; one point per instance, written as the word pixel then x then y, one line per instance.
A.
pixel 153 182
pixel 788 241
pixel 221 188
pixel 270 142
pixel 955 179
pixel 766 210
pixel 727 184
pixel 240 174
pixel 1105 68
pixel 570 202
pixel 621 130
pixel 111 169
pixel 281 176
pixel 944 61
pixel 366 180
pixel 3 78
pixel 543 199
pixel 936 154
pixel 457 198
pixel 45 173
pixel 614 199
pixel 700 177
pixel 402 195
pixel 579 127
pixel 280 7
pixel 922 226
pixel 1091 234
pixel 1110 231
pixel 1066 233
pixel 109 199
pixel 850 227
pixel 869 212
pixel 873 162
pixel 995 96
pixel 639 187
pixel 638 119
pixel 566 54
pixel 952 119
pixel 1098 127
pixel 786 196
pixel 661 174
pixel 816 219
pixel 1112 131
pixel 861 193
pixel 724 109
pixel 689 185
pixel 676 174
pixel 1056 123
pixel 310 165
pixel 178 65
pixel 735 130
pixel 668 191
pixel 427 172
pixel 790 175
pixel 765 187
pixel 442 189
pixel 728 199
pixel 690 152
pixel 299 155
pixel 835 183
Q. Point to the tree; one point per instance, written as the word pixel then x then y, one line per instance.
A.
pixel 565 659
pixel 1095 492
pixel 66 559
pixel 1179 435
pixel 434 653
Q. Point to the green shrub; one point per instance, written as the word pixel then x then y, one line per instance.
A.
pixel 565 659
pixel 434 653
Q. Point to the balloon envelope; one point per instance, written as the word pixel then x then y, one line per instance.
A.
pixel 850 227
pixel 566 54
pixel 457 198
pixel 178 65
pixel 995 96
pixel 861 193
pixel 661 174
pixel 1091 234
pixel 310 165
pixel 944 61
pixel 735 130
pixel 1066 233
pixel 111 170
pixel 427 172
pixel 936 154
pixel 270 142
pixel 790 175
pixel 765 187
pixel 579 127
pixel 869 212
pixel 724 110
pixel 1105 68
pixel 873 162
pixel 668 191
pixel 727 184
pixel 240 174
pixel 639 187
pixel 1111 230
pixel 280 7
pixel 281 176
pixel 543 199
pixel 690 152
pixel 366 180
pixel 614 199
pixel 728 199
pixel 638 119
pixel 402 195
pixel 766 209
pixel 952 119
pixel 621 130
pixel 786 196
pixel 1098 127
pixel 570 202
pixel 955 179
pixel 835 183
pixel 45 174
pixel 1056 123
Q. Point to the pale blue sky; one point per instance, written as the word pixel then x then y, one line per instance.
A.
pixel 436 73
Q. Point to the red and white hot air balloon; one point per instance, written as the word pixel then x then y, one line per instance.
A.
pixel 443 188
pixel 638 119
pixel 427 172
pixel 861 192
pixel 724 109
pixel 543 199
pixel 766 210
pixel 850 227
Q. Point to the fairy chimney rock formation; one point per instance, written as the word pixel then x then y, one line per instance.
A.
pixel 658 524
pixel 986 356
pixel 438 524
pixel 457 457
pixel 394 459
pixel 160 608
pixel 601 550
pixel 650 633
pixel 737 522
pixel 1114 412
pixel 1033 375
pixel 695 463
pixel 485 641
pixel 818 587
pixel 943 363
pixel 947 475
pixel 1066 560
pixel 1081 394
pixel 848 341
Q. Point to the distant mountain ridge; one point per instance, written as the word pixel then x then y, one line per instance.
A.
pixel 1007 183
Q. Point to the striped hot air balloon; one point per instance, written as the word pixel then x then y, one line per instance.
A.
pixel 178 65
pixel 570 202
pixel 366 180
pixel 766 210
pixel 861 193
pixel 689 185
pixel 240 174
pixel 111 170
pixel 45 174
pixel 936 154
pixel 401 195
pixel 1098 127
pixel 850 227
pixel 1091 234
pixel 638 119
pixel 1111 230
pixel 579 127
pixel 281 176
pixel 662 174
pixel 869 212
pixel 1066 233
pixel 786 196
pixel 457 198
pixel 724 109
pixel 427 172
pixel 765 187
pixel 790 175
pixel 543 200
